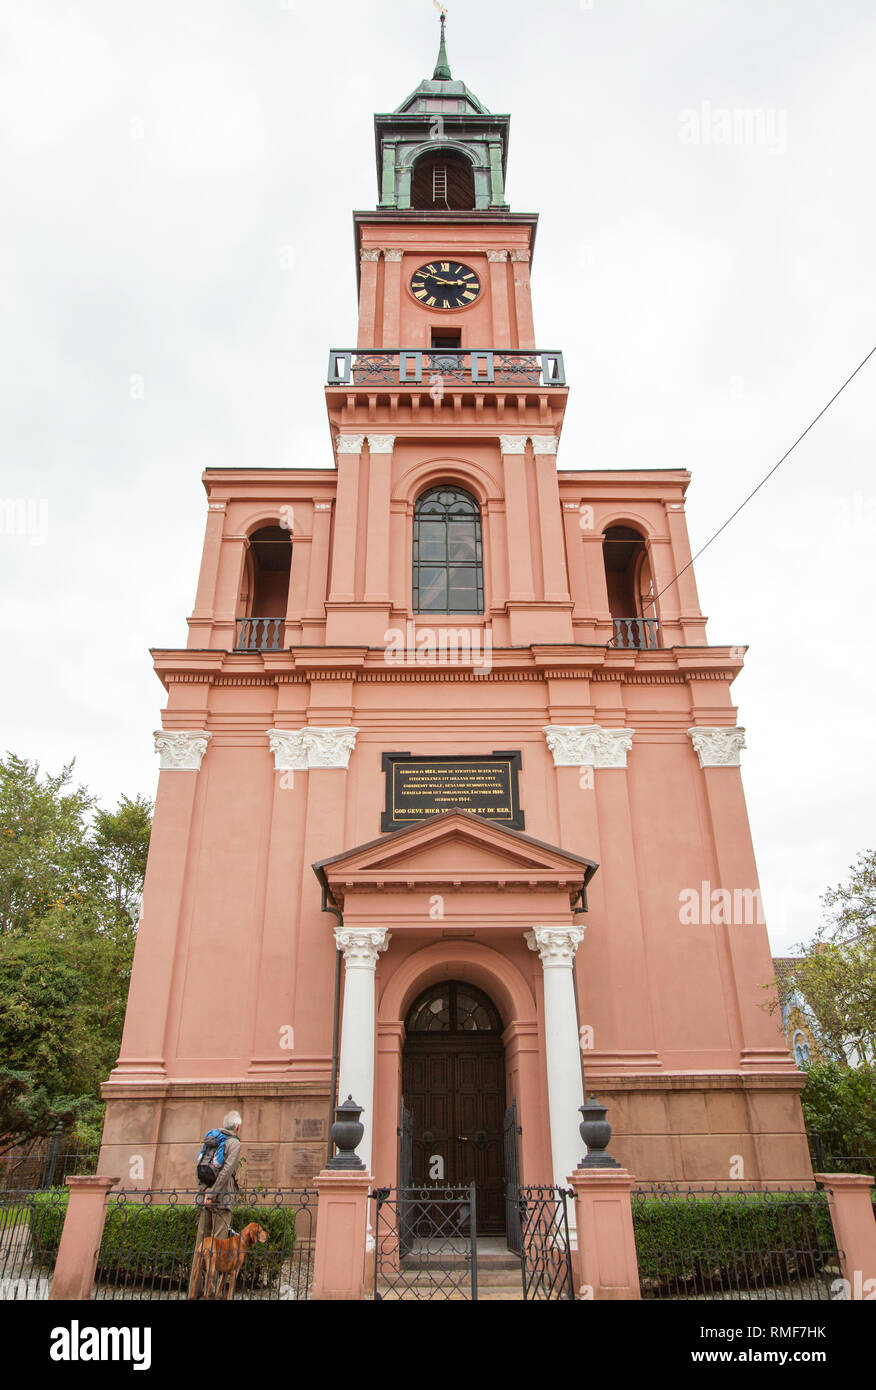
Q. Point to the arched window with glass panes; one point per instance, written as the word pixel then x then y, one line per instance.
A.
pixel 448 553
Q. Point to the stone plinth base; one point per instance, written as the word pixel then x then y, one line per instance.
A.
pixel 153 1130
pixel 706 1127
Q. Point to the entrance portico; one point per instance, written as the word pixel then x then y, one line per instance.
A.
pixel 460 899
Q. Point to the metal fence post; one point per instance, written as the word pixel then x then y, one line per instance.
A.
pixel 49 1176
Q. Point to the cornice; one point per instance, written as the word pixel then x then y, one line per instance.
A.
pixel 299 665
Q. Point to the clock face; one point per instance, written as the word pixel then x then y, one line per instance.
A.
pixel 445 285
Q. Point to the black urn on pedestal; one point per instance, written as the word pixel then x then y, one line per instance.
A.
pixel 596 1133
pixel 347 1131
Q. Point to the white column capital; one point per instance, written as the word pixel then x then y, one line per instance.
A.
pixel 298 750
pixel 329 747
pixel 289 752
pixel 181 750
pixel 393 255
pixel 545 444
pixel 520 255
pixel 718 747
pixel 556 946
pixel 495 256
pixel 369 255
pixel 381 443
pixel 361 946
pixel 513 443
pixel 588 745
pixel 349 443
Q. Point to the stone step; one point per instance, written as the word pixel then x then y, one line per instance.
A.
pixel 501 1293
pixel 454 1262
pixel 493 1279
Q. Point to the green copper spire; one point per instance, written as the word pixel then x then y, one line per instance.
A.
pixel 442 71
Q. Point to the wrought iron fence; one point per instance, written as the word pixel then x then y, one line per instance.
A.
pixel 47 1163
pixel 150 1247
pixel 414 367
pixel 425 1243
pixel 824 1162
pixel 727 1243
pixel 28 1220
pixel 546 1265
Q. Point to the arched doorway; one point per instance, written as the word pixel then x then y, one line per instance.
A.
pixel 453 1084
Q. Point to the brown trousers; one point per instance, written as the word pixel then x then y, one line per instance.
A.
pixel 215 1221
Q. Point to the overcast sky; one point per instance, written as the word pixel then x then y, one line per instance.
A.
pixel 178 260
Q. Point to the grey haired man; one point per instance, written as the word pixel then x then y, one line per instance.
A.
pixel 217 1202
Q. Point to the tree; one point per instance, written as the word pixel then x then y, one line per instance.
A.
pixel 26 1112
pixel 44 856
pixel 835 978
pixel 71 878
pixel 839 1105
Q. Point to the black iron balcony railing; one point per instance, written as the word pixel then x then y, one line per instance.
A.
pixel 414 367
pixel 259 634
pixel 639 633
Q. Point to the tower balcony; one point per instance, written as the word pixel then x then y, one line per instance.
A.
pixel 260 635
pixel 638 634
pixel 442 368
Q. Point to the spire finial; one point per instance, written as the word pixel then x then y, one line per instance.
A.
pixel 442 71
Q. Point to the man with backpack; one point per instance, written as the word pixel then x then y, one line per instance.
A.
pixel 217 1186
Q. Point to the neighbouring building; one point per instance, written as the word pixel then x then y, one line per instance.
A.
pixel 450 803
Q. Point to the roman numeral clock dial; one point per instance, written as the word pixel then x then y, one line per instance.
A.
pixel 445 285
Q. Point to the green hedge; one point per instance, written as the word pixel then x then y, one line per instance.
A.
pixel 148 1242
pixel 735 1241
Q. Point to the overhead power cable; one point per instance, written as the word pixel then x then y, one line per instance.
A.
pixel 765 478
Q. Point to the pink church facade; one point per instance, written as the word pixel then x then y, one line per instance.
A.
pixel 450 810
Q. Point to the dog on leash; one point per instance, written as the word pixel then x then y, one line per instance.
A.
pixel 221 1260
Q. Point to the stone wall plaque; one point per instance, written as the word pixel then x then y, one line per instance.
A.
pixel 260 1164
pixel 419 787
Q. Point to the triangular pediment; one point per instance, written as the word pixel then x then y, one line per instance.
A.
pixel 455 850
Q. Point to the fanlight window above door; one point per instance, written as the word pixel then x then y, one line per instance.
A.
pixel 448 554
pixel 451 1007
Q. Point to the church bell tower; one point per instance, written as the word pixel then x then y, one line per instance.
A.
pixel 450 794
pixel 446 360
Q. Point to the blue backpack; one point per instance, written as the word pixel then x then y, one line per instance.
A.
pixel 211 1157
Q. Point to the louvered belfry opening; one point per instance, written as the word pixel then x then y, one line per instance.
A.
pixel 443 181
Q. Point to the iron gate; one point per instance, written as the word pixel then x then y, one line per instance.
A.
pixel 405 1174
pixel 546 1262
pixel 425 1243
pixel 512 1181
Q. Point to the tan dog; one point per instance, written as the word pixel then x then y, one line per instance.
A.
pixel 222 1260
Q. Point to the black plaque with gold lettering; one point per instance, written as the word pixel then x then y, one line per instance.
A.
pixel 419 787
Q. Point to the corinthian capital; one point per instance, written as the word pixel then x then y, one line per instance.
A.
pixel 545 444
pixel 495 256
pixel 289 752
pixel 361 945
pixel 512 443
pixel 556 946
pixel 366 255
pixel 329 747
pixel 297 750
pixel 718 747
pixel 381 443
pixel 588 745
pixel 181 750
pixel 392 255
pixel 349 443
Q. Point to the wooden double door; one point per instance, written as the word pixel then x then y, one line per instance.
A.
pixel 454 1087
